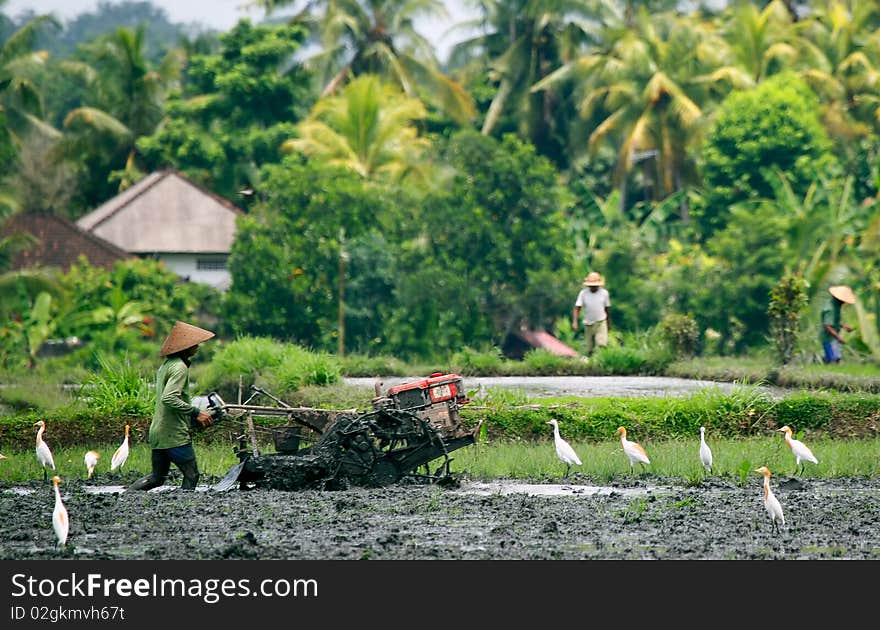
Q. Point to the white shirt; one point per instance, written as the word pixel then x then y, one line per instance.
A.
pixel 593 304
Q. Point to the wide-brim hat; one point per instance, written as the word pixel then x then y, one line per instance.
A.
pixel 843 293
pixel 593 279
pixel 183 336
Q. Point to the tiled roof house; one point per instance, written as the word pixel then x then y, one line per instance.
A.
pixel 59 243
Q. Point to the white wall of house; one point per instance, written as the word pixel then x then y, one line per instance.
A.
pixel 202 268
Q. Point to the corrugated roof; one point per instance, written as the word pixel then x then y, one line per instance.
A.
pixel 165 213
pixel 60 243
pixel 542 339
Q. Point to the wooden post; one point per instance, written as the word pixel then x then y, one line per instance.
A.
pixel 253 434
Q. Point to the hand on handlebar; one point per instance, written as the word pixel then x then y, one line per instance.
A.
pixel 205 419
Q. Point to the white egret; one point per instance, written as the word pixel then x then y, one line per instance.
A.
pixel 44 455
pixel 121 453
pixel 799 449
pixel 2 456
pixel 633 451
pixel 771 503
pixel 564 450
pixel 60 522
pixel 91 460
pixel 705 451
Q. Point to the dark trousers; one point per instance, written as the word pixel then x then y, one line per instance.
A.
pixel 184 457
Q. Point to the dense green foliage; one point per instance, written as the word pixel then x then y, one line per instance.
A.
pixel 693 157
pixel 774 126
pixel 235 109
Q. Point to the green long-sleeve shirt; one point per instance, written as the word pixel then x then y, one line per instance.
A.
pixel 171 419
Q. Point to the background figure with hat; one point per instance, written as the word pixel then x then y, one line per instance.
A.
pixel 170 436
pixel 594 301
pixel 831 324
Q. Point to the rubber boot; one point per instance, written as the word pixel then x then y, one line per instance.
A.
pixel 145 483
pixel 190 472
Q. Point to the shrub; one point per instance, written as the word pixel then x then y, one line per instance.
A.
pixel 300 367
pixel 787 299
pixel 680 333
pixel 618 360
pixel 118 390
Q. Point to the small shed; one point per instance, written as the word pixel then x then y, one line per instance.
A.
pixel 518 343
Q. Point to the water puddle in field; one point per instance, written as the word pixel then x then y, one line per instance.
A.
pixel 549 489
pixel 105 490
pixel 116 489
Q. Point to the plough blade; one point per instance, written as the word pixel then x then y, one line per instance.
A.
pixel 230 479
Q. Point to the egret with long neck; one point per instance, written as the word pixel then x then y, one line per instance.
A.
pixel 771 503
pixel 633 450
pixel 799 450
pixel 44 455
pixel 564 451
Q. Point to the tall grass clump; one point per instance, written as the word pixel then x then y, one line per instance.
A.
pixel 118 389
pixel 543 362
pixel 743 410
pixel 471 362
pixel 247 355
pixel 619 360
pixel 300 367
pixel 361 365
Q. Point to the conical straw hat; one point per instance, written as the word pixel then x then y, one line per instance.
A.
pixel 843 293
pixel 183 336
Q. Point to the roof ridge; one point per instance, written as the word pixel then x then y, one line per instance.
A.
pixel 146 186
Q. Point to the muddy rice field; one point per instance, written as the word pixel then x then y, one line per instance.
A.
pixel 637 518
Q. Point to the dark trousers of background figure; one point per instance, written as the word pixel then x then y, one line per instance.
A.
pixel 184 457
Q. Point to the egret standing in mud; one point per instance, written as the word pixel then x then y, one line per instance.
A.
pixel 564 450
pixel 633 450
pixel 91 460
pixel 799 450
pixel 705 451
pixel 44 455
pixel 121 453
pixel 60 522
pixel 771 503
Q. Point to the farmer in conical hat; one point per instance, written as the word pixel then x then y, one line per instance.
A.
pixel 831 322
pixel 170 436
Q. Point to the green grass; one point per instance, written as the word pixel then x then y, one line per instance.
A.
pixel 23 466
pixel 603 461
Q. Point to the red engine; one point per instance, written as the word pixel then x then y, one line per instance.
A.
pixel 436 398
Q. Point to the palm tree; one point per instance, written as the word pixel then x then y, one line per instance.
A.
pixel 368 128
pixel 759 39
pixel 20 99
pixel 840 47
pixel 128 104
pixel 379 37
pixel 645 96
pixel 520 43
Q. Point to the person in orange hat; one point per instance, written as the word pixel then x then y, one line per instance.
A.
pixel 831 322
pixel 595 303
pixel 170 431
